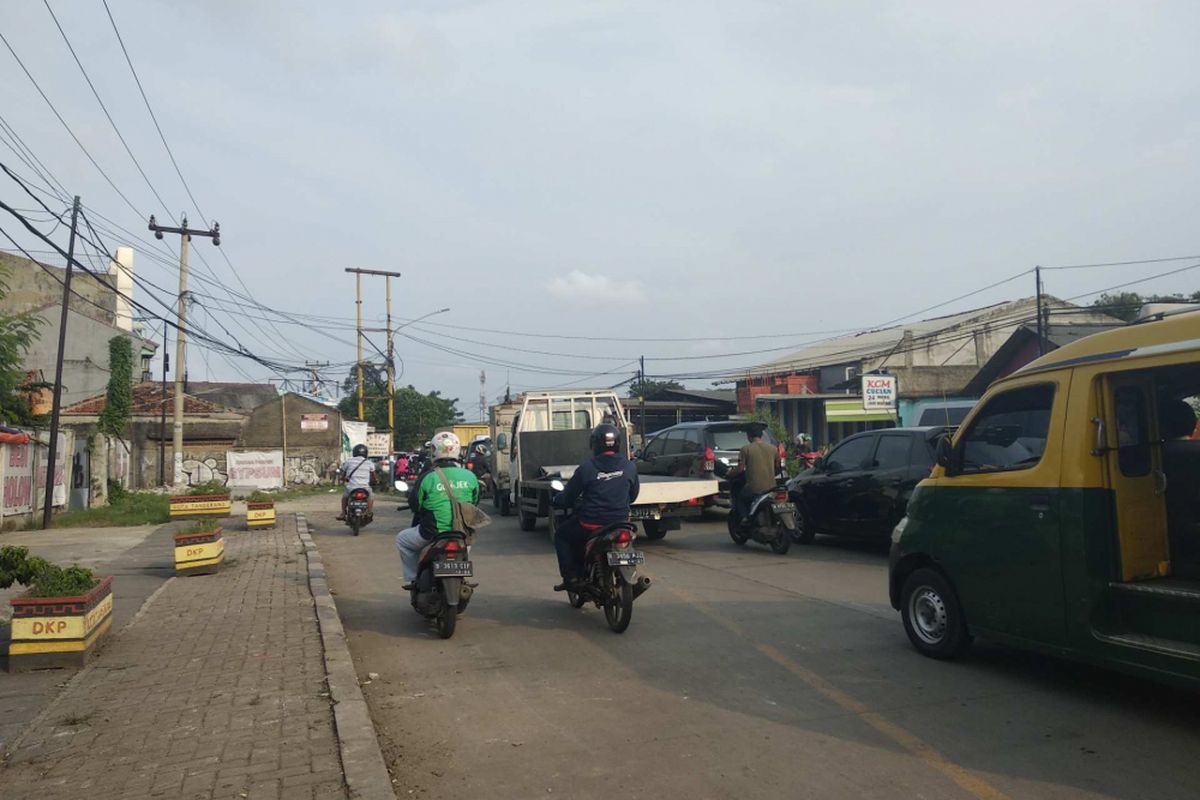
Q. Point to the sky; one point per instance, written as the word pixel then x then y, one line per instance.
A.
pixel 680 173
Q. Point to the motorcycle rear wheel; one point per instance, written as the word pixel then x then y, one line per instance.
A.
pixel 618 608
pixel 446 621
pixel 782 541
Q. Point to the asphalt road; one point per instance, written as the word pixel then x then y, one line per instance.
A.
pixel 744 675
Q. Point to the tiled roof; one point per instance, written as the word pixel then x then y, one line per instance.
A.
pixel 148 399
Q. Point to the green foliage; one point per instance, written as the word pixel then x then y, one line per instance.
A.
pixel 124 509
pixel 208 487
pixel 653 390
pixel 259 496
pixel 118 404
pixel 116 492
pixel 43 578
pixel 1125 305
pixel 200 526
pixel 418 415
pixel 773 423
pixel 17 333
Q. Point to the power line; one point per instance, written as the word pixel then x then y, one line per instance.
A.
pixel 1124 263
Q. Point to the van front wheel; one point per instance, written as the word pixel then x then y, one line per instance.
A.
pixel 932 616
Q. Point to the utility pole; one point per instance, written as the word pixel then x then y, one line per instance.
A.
pixel 642 392
pixel 47 503
pixel 185 236
pixel 162 409
pixel 482 395
pixel 314 385
pixel 1041 328
pixel 391 376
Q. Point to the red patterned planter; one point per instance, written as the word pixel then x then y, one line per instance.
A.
pixel 199 505
pixel 59 631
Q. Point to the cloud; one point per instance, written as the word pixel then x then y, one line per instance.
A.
pixel 580 285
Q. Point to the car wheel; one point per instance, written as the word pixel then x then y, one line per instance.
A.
pixel 804 533
pixel 933 618
pixel 527 520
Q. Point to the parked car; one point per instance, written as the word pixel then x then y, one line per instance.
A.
pixel 861 487
pixel 692 449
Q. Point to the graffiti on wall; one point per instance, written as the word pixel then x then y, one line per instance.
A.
pixel 304 470
pixel 199 471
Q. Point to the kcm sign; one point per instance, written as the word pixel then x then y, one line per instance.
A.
pixel 879 392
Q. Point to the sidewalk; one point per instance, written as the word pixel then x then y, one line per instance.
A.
pixel 217 689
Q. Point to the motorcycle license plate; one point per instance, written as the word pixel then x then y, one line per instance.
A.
pixel 783 508
pixel 645 513
pixel 632 558
pixel 358 506
pixel 452 569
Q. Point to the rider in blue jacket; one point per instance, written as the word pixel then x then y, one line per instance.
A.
pixel 600 491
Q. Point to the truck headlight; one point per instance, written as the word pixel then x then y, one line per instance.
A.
pixel 898 531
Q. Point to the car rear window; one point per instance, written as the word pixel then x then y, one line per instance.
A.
pixel 943 416
pixel 734 438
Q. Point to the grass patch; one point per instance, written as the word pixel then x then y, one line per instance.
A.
pixel 295 493
pixel 123 509
pixel 200 526
pixel 75 720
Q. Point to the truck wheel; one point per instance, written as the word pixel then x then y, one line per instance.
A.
pixel 526 519
pixel 932 617
pixel 653 529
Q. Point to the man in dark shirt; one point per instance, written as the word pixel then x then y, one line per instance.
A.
pixel 600 491
pixel 759 463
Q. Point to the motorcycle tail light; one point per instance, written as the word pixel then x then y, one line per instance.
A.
pixel 451 549
pixel 781 497
pixel 623 539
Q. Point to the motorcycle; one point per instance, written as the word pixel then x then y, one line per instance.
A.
pixel 358 514
pixel 441 591
pixel 478 464
pixel 612 581
pixel 770 520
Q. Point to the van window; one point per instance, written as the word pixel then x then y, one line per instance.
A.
pixel 1133 436
pixel 1009 432
pixel 691 440
pixel 674 442
pixel 654 448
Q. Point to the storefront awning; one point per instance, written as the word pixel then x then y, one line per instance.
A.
pixel 853 411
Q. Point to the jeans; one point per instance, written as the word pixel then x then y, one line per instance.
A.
pixel 410 543
pixel 570 539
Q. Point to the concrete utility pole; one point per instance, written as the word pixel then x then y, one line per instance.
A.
pixel 1041 328
pixel 314 386
pixel 185 235
pixel 48 501
pixel 391 376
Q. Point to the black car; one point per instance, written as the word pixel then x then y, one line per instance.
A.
pixel 861 488
pixel 692 448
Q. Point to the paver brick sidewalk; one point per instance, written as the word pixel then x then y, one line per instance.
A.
pixel 216 691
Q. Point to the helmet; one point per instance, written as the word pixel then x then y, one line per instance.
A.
pixel 446 446
pixel 605 438
pixel 360 451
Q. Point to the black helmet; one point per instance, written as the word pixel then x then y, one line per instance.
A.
pixel 360 451
pixel 605 438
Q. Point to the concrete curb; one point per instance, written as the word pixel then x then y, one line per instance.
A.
pixel 362 760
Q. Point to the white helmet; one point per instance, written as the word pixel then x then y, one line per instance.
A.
pixel 446 446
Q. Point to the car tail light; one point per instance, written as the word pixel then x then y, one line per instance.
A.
pixel 695 501
pixel 710 459
pixel 623 538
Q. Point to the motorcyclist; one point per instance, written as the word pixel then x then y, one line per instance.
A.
pixel 356 473
pixel 756 471
pixel 600 491
pixel 433 512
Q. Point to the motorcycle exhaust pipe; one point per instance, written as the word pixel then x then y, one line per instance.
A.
pixel 643 583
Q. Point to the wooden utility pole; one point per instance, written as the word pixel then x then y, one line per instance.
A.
pixel 185 236
pixel 48 501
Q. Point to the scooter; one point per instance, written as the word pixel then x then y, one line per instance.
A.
pixel 358 514
pixel 441 591
pixel 770 518
pixel 612 581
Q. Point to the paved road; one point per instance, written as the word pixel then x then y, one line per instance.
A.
pixel 743 675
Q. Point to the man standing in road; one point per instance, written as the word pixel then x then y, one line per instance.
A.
pixel 601 491
pixel 759 463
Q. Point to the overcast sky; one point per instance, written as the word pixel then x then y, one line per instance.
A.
pixel 625 169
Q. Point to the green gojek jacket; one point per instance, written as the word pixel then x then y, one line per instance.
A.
pixel 433 508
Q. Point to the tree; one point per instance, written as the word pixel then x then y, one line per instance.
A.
pixel 17 333
pixel 417 415
pixel 1125 305
pixel 653 390
pixel 118 403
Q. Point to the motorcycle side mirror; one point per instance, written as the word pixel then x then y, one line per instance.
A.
pixel 557 485
pixel 818 464
pixel 401 486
